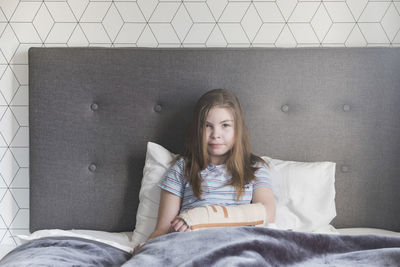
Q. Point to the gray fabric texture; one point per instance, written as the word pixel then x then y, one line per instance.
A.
pixel 258 246
pixel 313 104
pixel 64 251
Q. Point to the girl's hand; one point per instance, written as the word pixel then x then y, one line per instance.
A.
pixel 135 250
pixel 179 225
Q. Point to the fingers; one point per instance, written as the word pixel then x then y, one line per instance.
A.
pixel 179 225
pixel 175 221
pixel 183 227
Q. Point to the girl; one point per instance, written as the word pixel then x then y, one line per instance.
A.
pixel 217 167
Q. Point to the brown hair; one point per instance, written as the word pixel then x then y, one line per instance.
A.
pixel 240 161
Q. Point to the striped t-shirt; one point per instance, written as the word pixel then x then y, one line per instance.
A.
pixel 214 188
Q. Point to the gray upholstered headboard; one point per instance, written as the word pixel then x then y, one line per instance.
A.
pixel 92 110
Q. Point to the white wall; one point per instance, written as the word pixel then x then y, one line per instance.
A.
pixel 280 23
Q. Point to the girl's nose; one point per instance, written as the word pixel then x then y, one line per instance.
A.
pixel 215 134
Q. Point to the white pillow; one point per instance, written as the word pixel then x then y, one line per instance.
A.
pixel 304 191
pixel 307 192
pixel 158 161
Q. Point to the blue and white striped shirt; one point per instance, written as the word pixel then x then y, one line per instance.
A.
pixel 214 188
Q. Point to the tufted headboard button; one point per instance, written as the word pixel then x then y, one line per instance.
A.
pixel 94 106
pixel 92 167
pixel 157 108
pixel 346 107
pixel 345 168
pixel 285 108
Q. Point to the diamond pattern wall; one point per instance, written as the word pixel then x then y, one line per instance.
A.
pixel 157 23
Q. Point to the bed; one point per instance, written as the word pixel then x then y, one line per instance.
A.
pixel 104 123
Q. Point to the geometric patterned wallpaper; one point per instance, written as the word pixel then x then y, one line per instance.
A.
pixel 157 23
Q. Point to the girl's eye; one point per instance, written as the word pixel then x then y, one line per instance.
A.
pixel 226 125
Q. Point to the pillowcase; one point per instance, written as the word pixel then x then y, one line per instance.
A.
pixel 158 161
pixel 304 192
pixel 307 194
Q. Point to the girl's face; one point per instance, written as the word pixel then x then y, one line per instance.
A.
pixel 220 133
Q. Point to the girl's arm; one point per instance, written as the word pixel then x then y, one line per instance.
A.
pixel 167 217
pixel 167 211
pixel 265 196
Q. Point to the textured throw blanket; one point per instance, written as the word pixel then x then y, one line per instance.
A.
pixel 233 246
pixel 258 246
pixel 64 251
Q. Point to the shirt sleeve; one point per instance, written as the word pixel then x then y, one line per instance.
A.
pixel 174 180
pixel 263 177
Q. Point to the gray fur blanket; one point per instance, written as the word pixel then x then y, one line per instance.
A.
pixel 233 246
pixel 64 251
pixel 257 246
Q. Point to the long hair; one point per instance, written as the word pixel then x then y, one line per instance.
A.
pixel 240 161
